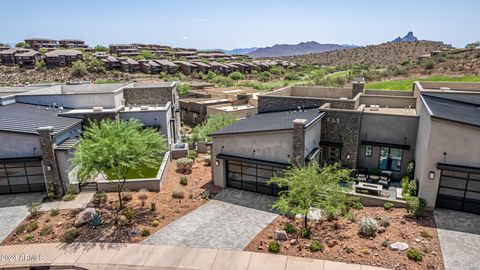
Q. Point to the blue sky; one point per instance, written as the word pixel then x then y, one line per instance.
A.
pixel 235 24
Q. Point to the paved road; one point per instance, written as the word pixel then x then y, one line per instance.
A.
pixel 459 235
pixel 221 223
pixel 13 210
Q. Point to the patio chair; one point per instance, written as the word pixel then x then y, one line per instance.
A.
pixel 385 178
pixel 362 175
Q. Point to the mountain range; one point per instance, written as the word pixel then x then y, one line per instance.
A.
pixel 407 38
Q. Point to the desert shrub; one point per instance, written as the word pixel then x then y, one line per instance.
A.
pixel 96 220
pixel 222 81
pixel 31 226
pixel 126 195
pixel 68 197
pixel 100 197
pixel 367 227
pixel 46 230
pixel 236 75
pixel 143 194
pixel 289 227
pixel 184 165
pixel 305 232
pixel 277 70
pixel 155 223
pixel 332 213
pixel 34 208
pixel 40 64
pixel 183 180
pixel 415 255
pixel 207 159
pixel 54 212
pixel 356 205
pixel 192 154
pixel 388 206
pixel 206 194
pixel 425 235
pixel 291 76
pixel 178 193
pixel 366 251
pixel 385 243
pixel 274 247
pixel 129 215
pixel 316 245
pixel 183 88
pixel 265 76
pixel 351 216
pixel 29 237
pixel 384 221
pixel 348 250
pixel 416 206
pixel 145 233
pixel 428 64
pixel 79 69
pixel 70 235
pixel 409 187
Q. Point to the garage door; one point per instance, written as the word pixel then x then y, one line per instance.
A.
pixel 21 175
pixel 251 177
pixel 459 191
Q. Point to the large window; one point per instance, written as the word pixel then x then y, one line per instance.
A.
pixel 390 159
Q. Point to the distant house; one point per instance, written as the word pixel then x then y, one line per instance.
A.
pixel 186 54
pixel 167 66
pixel 150 67
pixel 124 49
pixel 62 58
pixel 25 58
pixel 202 67
pixel 111 62
pixel 39 43
pixel 243 68
pixel 220 68
pixel 72 44
pixel 129 65
pixel 186 68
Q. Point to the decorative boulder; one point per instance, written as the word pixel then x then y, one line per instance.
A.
pixel 398 246
pixel 84 217
pixel 281 235
pixel 314 214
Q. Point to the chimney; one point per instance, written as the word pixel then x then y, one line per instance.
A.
pixel 299 142
pixel 49 161
pixel 358 85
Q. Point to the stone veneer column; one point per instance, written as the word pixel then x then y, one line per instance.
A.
pixel 299 142
pixel 358 86
pixel 49 161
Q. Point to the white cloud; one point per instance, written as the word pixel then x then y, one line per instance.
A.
pixel 184 38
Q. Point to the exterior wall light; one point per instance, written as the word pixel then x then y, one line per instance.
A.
pixel 431 175
pixel 217 162
pixel 49 168
pixel 348 156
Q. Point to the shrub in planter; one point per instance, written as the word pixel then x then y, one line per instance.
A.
pixel 70 235
pixel 208 160
pixel 29 237
pixel 31 226
pixel 100 197
pixel 415 254
pixel 177 193
pixel 54 212
pixel 192 154
pixel 145 233
pixel 68 197
pixel 129 215
pixel 305 232
pixel 289 227
pixel 143 194
pixel 384 221
pixel 351 216
pixel 367 227
pixel 155 223
pixel 183 180
pixel 416 206
pixel 34 209
pixel 48 229
pixel 184 165
pixel 356 205
pixel 274 247
pixel 96 220
pixel 388 206
pixel 126 195
pixel 315 246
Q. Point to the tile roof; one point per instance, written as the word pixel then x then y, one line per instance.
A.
pixel 57 53
pixel 270 122
pixel 24 118
pixel 453 110
pixel 68 144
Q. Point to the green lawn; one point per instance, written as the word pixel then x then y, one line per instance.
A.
pixel 406 84
pixel 144 172
pixel 338 74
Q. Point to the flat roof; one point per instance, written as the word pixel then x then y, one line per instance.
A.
pixel 452 110
pixel 265 122
pixel 232 108
pixel 25 118
pixel 392 111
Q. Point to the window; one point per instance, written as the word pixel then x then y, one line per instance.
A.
pixel 368 150
pixel 390 159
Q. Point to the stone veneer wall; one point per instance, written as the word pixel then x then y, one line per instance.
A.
pixel 145 96
pixel 299 141
pixel 52 176
pixel 343 127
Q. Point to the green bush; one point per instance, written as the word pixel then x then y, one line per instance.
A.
pixel 68 197
pixel 415 255
pixel 100 197
pixel 40 64
pixel 277 70
pixel 236 75
pixel 129 215
pixel 192 154
pixel 46 230
pixel 274 247
pixel 351 216
pixel 183 88
pixel 183 180
pixel 54 212
pixel 155 223
pixel 388 206
pixel 289 227
pixel 79 69
pixel 316 245
pixel 385 221
pixel 416 206
pixel 70 235
pixel 145 233
pixel 178 193
pixel 367 227
pixel 184 165
pixel 425 235
pixel 265 76
pixel 356 205
pixel 29 237
pixel 31 226
pixel 305 232
pixel 34 208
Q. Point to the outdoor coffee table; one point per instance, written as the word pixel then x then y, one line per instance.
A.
pixel 370 187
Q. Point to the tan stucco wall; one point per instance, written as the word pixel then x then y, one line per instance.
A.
pixel 321 92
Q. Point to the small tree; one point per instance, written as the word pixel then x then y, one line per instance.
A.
pixel 118 147
pixel 473 45
pixel 43 50
pixel 214 122
pixel 22 44
pixel 101 48
pixel 147 54
pixel 39 64
pixel 236 75
pixel 79 69
pixel 183 88
pixel 309 187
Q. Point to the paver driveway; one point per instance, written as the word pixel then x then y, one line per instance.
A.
pixel 13 210
pixel 230 221
pixel 459 235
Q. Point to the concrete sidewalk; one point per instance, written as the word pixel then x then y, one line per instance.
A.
pixel 135 256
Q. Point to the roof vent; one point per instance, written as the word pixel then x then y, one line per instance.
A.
pixel 97 109
pixel 144 108
pixel 374 107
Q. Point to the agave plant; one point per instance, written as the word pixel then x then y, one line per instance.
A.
pixel 96 221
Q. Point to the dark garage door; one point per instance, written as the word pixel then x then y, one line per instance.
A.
pixel 251 177
pixel 459 191
pixel 21 175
